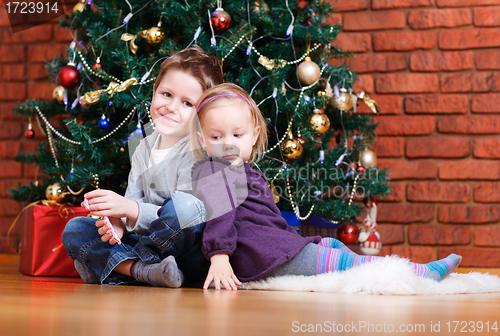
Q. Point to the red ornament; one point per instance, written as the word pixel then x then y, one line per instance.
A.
pixel 361 169
pixel 221 20
pixel 68 76
pixel 97 65
pixel 348 233
pixel 30 134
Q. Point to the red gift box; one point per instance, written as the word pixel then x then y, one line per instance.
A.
pixel 42 253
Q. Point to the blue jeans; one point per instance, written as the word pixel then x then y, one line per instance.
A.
pixel 178 231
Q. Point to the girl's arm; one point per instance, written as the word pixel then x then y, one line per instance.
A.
pixel 221 272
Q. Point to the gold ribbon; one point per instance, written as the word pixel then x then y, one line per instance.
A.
pixel 131 37
pixel 270 64
pixel 370 102
pixel 63 212
pixel 94 96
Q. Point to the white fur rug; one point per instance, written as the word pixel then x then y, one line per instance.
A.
pixel 388 276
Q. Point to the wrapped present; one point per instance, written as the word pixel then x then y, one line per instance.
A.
pixel 42 253
pixel 312 226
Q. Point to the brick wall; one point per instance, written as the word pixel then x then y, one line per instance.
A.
pixel 22 76
pixel 433 67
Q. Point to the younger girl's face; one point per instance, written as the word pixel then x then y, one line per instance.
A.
pixel 229 132
pixel 173 105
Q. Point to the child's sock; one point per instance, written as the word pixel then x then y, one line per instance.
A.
pixel 335 243
pixel 438 269
pixel 164 274
pixel 334 259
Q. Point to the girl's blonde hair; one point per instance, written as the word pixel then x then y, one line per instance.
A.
pixel 219 94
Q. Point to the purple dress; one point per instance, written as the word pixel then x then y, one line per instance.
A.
pixel 243 220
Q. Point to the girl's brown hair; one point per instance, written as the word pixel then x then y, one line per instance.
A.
pixel 205 104
pixel 196 62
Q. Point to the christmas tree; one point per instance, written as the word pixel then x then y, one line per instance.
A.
pixel 280 51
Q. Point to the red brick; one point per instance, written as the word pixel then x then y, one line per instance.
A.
pixel 465 214
pixel 407 83
pixel 469 125
pixel 487 192
pixel 470 170
pixel 488 60
pixel 6 185
pixel 30 171
pixel 362 63
pixel 471 82
pixel 6 111
pixel 37 71
pixel 374 20
pixel 473 257
pixel 487 148
pixel 403 41
pixel 348 6
pixel 364 83
pixel 438 192
pixel 389 4
pixel 405 125
pixel 436 104
pixel 41 90
pixel 441 61
pixel 62 35
pixel 5 224
pixel 42 33
pixel 355 42
pixel 333 19
pixel 12 241
pixel 41 53
pixel 9 207
pixel 437 148
pixel 397 193
pixel 9 149
pixel 388 104
pixel 469 38
pixel 12 91
pixel 13 72
pixel 405 170
pixel 10 130
pixel 4 18
pixel 12 54
pixel 439 234
pixel 10 168
pixel 466 3
pixel 391 234
pixel 487 236
pixel 388 146
pixel 486 103
pixel 437 18
pixel 487 16
pixel 405 213
pixel 417 254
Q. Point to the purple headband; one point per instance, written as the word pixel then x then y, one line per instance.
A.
pixel 222 95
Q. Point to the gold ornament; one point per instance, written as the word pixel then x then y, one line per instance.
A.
pixel 343 101
pixel 367 158
pixel 291 148
pixel 79 7
pixel 308 71
pixel 259 5
pixel 92 97
pixel 370 102
pixel 155 35
pixel 318 121
pixel 276 195
pixel 54 192
pixel 59 93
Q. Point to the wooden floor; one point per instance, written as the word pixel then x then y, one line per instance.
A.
pixel 66 306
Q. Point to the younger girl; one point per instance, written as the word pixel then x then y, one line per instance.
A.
pixel 245 237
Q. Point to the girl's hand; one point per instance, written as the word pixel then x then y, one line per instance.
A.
pixel 104 228
pixel 221 272
pixel 108 203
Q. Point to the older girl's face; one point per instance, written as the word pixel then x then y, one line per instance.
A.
pixel 229 132
pixel 173 105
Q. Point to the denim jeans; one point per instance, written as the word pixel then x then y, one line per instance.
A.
pixel 178 231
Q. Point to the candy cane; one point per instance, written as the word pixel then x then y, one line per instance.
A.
pixel 106 219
